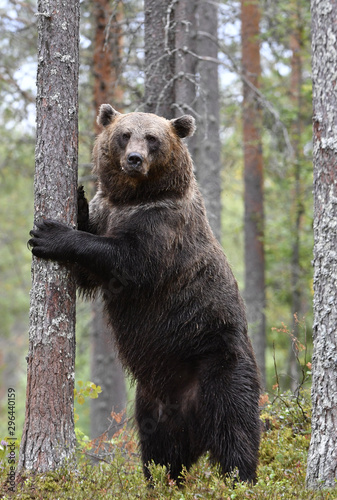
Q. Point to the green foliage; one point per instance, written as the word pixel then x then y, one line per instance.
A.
pixel 84 391
pixel 16 216
pixel 18 36
pixel 89 389
pixel 286 157
pixel 301 348
pixel 16 207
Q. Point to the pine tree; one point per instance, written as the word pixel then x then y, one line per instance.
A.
pixel 48 437
pixel 253 181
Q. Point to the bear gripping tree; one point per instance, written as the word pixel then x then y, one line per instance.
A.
pixel 173 303
pixel 48 436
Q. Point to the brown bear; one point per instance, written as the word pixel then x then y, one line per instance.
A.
pixel 173 303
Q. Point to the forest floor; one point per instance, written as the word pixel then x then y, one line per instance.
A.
pixel 118 474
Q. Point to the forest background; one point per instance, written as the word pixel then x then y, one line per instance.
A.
pixel 285 104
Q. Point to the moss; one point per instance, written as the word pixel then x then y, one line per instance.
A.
pixel 281 472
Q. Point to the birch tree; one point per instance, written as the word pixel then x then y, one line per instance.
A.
pixel 48 437
pixel 322 458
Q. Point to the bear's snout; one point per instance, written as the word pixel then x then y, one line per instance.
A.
pixel 135 160
pixel 135 165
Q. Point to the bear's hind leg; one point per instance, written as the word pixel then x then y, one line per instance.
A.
pixel 231 418
pixel 164 436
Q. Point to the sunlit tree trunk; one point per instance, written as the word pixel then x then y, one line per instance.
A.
pixel 253 181
pixel 322 458
pixel 48 437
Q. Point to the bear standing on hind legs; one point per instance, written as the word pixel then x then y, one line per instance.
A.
pixel 173 303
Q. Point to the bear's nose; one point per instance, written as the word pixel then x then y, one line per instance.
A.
pixel 135 160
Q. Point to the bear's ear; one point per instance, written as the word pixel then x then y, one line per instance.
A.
pixel 184 126
pixel 106 115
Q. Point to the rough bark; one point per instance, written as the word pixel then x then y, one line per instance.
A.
pixel 159 57
pixel 253 181
pixel 48 437
pixel 106 369
pixel 322 458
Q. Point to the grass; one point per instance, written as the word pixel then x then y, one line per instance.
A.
pixel 118 475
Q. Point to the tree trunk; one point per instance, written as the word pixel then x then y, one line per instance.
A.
pixel 159 57
pixel 322 458
pixel 106 369
pixel 297 212
pixel 205 144
pixel 253 181
pixel 185 85
pixel 180 40
pixel 107 56
pixel 48 437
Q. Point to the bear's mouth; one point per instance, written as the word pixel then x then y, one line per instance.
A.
pixel 134 173
pixel 135 170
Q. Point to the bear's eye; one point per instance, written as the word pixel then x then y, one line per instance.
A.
pixel 151 139
pixel 124 138
pixel 152 142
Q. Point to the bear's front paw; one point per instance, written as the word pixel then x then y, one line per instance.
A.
pixel 51 240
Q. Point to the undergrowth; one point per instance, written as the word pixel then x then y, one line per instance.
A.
pixel 118 471
pixel 112 469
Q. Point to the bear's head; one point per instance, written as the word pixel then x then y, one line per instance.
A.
pixel 140 156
